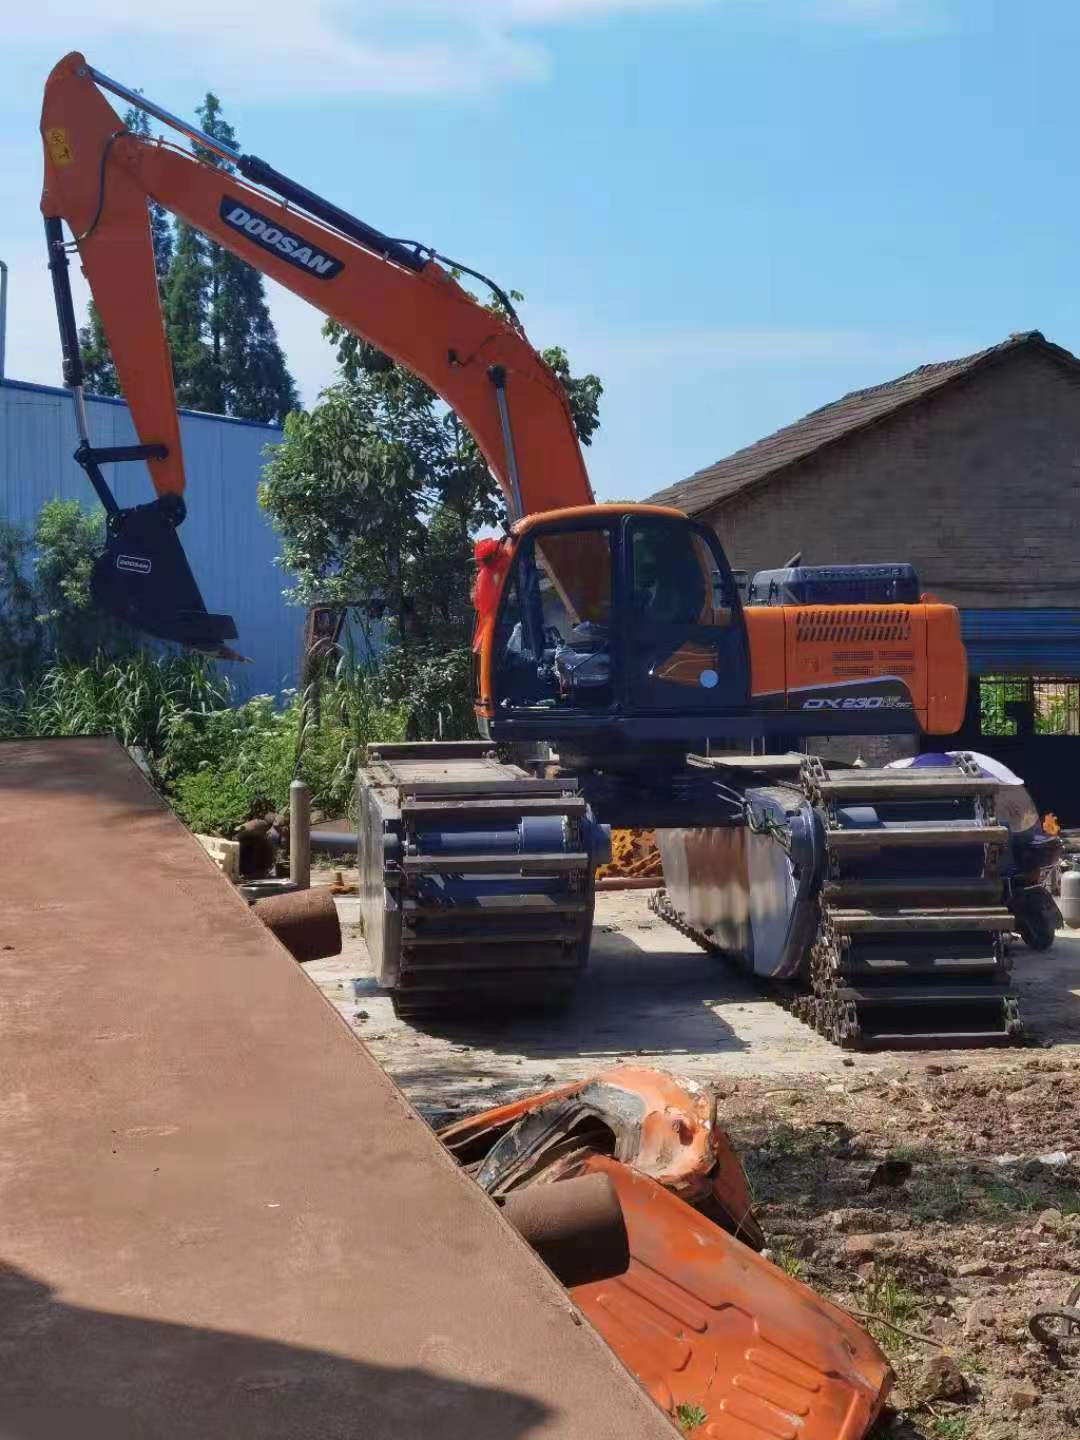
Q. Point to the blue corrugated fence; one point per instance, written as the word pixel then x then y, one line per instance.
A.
pixel 228 540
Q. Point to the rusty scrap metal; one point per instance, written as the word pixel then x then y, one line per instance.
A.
pixel 635 857
pixel 710 1328
pixel 576 1227
pixel 305 921
pixel 663 1128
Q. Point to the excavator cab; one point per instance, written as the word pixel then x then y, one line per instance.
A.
pixel 613 620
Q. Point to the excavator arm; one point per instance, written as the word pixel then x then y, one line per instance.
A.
pixel 394 294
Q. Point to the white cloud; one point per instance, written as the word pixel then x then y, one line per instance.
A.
pixel 277 49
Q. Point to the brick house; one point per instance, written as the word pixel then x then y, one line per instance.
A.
pixel 970 469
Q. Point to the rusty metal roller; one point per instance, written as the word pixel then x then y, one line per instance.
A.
pixel 305 921
pixel 575 1226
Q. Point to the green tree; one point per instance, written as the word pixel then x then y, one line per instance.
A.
pixel 99 370
pixel 377 494
pixel 226 355
pixel 185 309
pixel 19 634
pixel 67 541
pixel 459 495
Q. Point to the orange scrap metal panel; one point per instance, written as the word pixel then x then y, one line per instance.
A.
pixel 707 1324
pixel 709 1327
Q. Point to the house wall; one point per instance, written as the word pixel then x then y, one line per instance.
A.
pixel 229 542
pixel 974 485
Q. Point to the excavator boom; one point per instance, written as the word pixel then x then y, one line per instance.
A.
pixel 394 294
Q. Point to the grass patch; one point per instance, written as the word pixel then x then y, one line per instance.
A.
pixel 971 1367
pixel 790 1264
pixel 999 1197
pixel 951 1427
pixel 783 1140
pixel 889 1298
pixel 689 1417
pixel 943 1192
pixel 938 1196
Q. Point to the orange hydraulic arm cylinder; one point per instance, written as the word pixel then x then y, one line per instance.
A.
pixel 98 179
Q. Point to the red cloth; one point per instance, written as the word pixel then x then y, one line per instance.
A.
pixel 492 562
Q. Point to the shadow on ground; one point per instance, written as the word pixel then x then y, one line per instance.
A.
pixel 67 1371
pixel 630 1001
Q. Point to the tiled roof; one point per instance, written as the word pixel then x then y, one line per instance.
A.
pixel 727 477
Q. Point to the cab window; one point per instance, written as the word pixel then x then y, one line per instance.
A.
pixel 675 578
pixel 552 639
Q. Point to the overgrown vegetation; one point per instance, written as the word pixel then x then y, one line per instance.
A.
pixel 226 766
pixel 140 698
pixel 67 670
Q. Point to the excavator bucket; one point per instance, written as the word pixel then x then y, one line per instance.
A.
pixel 143 578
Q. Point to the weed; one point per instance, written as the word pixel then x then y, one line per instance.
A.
pixel 139 698
pixel 950 1427
pixel 938 1196
pixel 689 1417
pixel 971 1365
pixel 910 1152
pixel 889 1298
pixel 790 1264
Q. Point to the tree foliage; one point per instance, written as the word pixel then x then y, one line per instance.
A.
pixel 377 495
pixel 20 639
pixel 378 491
pixel 67 541
pixel 226 355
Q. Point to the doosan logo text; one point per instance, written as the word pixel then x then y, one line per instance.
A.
pixel 270 236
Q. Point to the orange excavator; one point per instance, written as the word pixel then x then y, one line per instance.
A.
pixel 620 679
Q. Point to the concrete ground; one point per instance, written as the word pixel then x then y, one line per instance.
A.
pixel 650 995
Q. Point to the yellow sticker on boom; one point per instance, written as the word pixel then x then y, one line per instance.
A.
pixel 57 141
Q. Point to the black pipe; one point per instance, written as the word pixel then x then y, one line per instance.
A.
pixel 259 173
pixel 65 309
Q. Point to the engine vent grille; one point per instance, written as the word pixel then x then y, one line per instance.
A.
pixel 838 625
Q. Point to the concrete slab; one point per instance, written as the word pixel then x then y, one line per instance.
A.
pixel 218 1218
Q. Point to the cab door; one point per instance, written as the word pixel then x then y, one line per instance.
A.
pixel 684 637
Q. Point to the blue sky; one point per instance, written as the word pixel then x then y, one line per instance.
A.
pixel 732 210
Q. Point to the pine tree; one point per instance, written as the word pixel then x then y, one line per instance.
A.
pixel 99 372
pixel 138 123
pixel 185 312
pixel 98 368
pixel 225 352
pixel 226 355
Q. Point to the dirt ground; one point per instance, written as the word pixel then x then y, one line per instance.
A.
pixel 957 1242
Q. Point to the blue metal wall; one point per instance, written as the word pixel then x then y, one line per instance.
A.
pixel 1024 642
pixel 227 538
